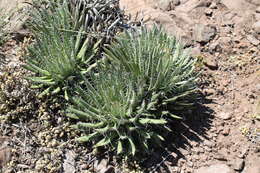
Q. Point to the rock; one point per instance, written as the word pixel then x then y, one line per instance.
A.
pixel 228 19
pixel 238 164
pixel 190 164
pixel 198 150
pixel 256 2
pixel 209 91
pixel 257 10
pixel 69 162
pixel 165 5
pixel 222 153
pixel 243 152
pixel 257 87
pixel 109 169
pixel 5 156
pixel 208 12
pixel 208 149
pixel 224 115
pixel 217 168
pixel 84 166
pixel 211 63
pixel 189 5
pixel 225 41
pixel 19 15
pixel 3 141
pixel 253 167
pixel 9 5
pixel 253 40
pixel 176 2
pixel 257 112
pixel 195 52
pixel 183 1
pixel 225 83
pixel 220 157
pixel 257 16
pixel 184 151
pixel 208 143
pixel 142 10
pixel 256 26
pixel 237 4
pixel 102 166
pixel 204 33
pixel 20 34
pixel 213 5
pixel 215 47
pixel 226 131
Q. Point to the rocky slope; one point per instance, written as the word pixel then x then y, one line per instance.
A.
pixel 221 137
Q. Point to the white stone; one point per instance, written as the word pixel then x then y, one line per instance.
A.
pixel 253 40
pixel 256 26
pixel 224 115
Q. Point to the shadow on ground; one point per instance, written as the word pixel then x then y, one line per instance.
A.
pixel 191 129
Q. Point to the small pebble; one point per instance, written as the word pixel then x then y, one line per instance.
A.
pixel 226 131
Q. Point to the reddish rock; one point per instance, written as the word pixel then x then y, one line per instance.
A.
pixel 204 33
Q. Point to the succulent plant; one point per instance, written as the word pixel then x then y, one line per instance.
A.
pixel 59 54
pixel 69 34
pixel 157 62
pixel 128 104
pixel 101 19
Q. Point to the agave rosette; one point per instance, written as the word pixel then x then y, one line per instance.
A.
pixel 59 54
pixel 127 105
